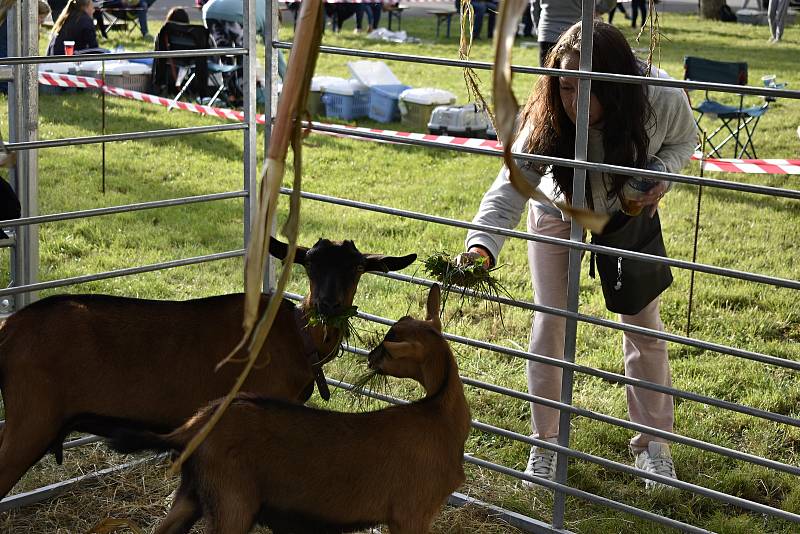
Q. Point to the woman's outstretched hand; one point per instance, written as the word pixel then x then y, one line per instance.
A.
pixel 474 253
pixel 651 198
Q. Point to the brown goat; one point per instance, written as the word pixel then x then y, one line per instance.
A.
pixel 302 470
pixel 96 363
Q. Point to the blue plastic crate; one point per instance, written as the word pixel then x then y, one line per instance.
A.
pixel 383 102
pixel 347 107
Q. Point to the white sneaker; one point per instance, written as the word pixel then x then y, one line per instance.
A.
pixel 541 463
pixel 656 459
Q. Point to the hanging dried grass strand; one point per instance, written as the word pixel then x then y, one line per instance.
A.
pixel 654 27
pixel 302 62
pixel 507 108
pixel 471 78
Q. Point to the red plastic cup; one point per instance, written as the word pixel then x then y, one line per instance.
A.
pixel 69 47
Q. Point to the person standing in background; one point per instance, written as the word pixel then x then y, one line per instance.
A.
pixel 528 22
pixel 639 6
pixel 776 14
pixel 361 10
pixel 374 14
pixel 554 17
pixel 617 7
pixel 481 8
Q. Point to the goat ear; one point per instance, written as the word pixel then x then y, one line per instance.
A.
pixel 279 249
pixel 403 349
pixel 384 264
pixel 432 306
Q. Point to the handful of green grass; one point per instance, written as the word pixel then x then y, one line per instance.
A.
pixel 459 277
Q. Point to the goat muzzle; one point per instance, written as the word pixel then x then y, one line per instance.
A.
pixel 376 357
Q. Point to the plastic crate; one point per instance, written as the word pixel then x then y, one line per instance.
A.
pixel 415 117
pixel 347 107
pixel 383 102
pixel 131 82
pixel 314 103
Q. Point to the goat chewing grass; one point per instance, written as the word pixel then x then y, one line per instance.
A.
pixel 302 470
pixel 111 362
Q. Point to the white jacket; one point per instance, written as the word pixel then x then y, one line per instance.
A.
pixel 673 137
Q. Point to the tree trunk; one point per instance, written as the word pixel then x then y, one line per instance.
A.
pixel 709 9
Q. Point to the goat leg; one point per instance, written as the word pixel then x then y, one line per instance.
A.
pixel 231 512
pixel 21 448
pixel 185 512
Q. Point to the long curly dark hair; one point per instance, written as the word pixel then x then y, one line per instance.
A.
pixel 626 108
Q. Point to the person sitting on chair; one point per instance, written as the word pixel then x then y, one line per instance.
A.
pixel 177 14
pixel 224 19
pixel 169 74
pixel 75 23
pixel 121 8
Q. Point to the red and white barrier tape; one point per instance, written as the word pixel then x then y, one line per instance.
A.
pixel 750 166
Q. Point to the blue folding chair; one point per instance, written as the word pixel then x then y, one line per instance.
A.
pixel 738 122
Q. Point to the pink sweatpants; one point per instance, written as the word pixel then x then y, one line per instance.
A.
pixel 645 357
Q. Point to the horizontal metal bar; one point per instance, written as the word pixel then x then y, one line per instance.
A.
pixel 610 464
pixel 53 490
pixel 127 136
pixel 700 490
pixel 121 272
pixel 600 76
pixel 549 160
pixel 607 375
pixel 200 52
pixel 677 438
pixel 666 336
pixel 591 497
pixel 540 480
pixel 81 441
pixel 83 214
pixel 615 421
pixel 514 519
pixel 699 267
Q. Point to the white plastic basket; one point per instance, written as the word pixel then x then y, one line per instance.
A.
pixel 372 73
pixel 122 74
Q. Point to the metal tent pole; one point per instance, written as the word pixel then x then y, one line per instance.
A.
pixel 574 272
pixel 250 148
pixel 23 32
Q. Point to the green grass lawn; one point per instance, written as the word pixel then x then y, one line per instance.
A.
pixel 739 231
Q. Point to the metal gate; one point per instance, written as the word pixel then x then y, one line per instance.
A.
pixel 560 487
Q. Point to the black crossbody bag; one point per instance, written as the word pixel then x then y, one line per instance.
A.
pixel 629 285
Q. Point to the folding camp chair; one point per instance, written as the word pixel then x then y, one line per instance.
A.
pixel 189 75
pixel 116 14
pixel 738 123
